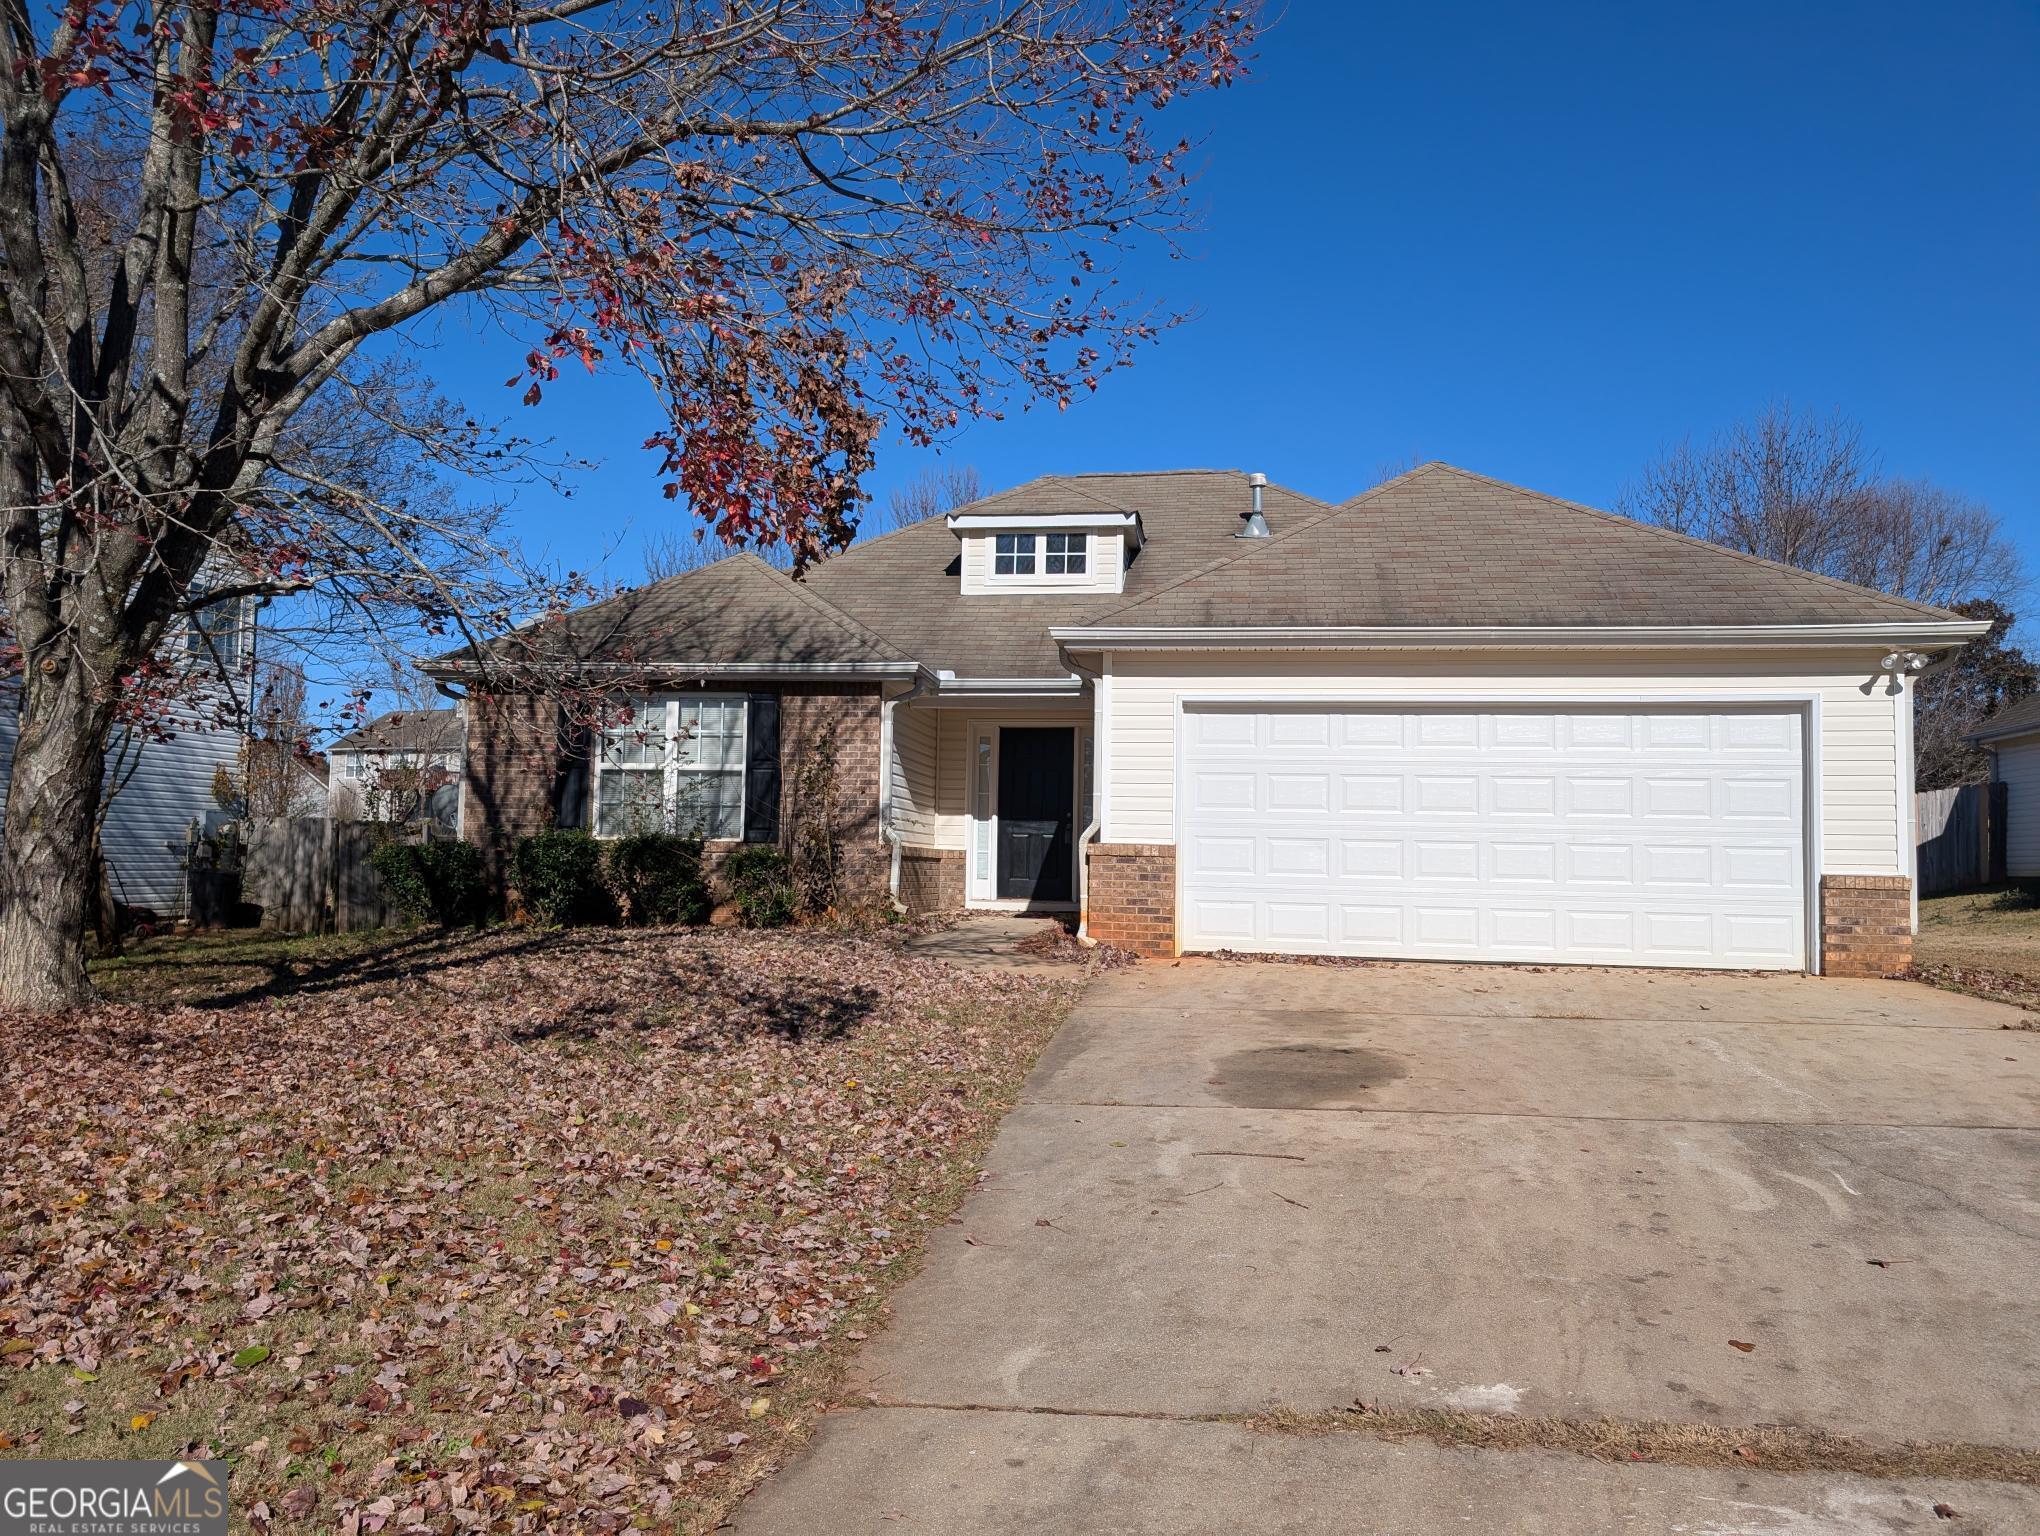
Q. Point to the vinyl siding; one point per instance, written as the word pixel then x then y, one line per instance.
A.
pixel 145 826
pixel 1860 742
pixel 931 767
pixel 2017 764
pixel 915 787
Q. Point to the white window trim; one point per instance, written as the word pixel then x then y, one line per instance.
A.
pixel 1040 576
pixel 672 768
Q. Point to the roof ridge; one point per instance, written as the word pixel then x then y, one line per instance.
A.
pixel 1850 587
pixel 1260 545
pixel 825 608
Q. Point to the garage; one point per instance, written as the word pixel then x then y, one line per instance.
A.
pixel 1575 835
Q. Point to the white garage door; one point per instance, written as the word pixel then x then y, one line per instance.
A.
pixel 1589 836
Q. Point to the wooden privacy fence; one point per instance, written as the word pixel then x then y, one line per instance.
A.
pixel 310 874
pixel 1962 837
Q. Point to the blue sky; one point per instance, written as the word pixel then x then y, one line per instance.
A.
pixel 1539 242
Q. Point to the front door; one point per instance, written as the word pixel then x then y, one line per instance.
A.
pixel 1037 805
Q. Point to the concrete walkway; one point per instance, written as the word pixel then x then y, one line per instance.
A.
pixel 992 941
pixel 1232 1188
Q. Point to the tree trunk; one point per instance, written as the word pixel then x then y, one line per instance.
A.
pixel 47 876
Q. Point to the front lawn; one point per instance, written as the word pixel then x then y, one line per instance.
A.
pixel 517 1231
pixel 1986 942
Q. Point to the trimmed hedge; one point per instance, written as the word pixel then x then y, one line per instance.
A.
pixel 760 881
pixel 432 882
pixel 559 874
pixel 655 877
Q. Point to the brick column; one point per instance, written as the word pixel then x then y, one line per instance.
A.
pixel 1865 925
pixel 1131 898
pixel 931 880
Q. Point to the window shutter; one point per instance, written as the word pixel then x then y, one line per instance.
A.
pixel 570 785
pixel 761 769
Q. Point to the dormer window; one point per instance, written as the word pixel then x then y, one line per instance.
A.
pixel 1051 554
pixel 1007 553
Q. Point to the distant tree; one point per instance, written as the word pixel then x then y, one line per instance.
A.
pixel 934 492
pixel 676 551
pixel 1955 699
pixel 1802 490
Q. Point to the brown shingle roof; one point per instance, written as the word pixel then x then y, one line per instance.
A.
pixel 2019 719
pixel 1442 546
pixel 907 586
pixel 1436 546
pixel 736 610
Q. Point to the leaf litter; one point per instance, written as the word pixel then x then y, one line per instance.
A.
pixel 508 1232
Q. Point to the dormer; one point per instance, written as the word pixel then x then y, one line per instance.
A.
pixel 1012 552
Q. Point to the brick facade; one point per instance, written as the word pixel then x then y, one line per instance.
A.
pixel 520 766
pixel 931 880
pixel 1865 924
pixel 1131 897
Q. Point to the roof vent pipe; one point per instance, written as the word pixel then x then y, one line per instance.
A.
pixel 1257 525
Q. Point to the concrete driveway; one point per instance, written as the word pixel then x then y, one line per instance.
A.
pixel 1235 1188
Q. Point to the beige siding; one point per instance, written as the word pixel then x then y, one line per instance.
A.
pixel 2018 765
pixel 1860 741
pixel 931 766
pixel 915 790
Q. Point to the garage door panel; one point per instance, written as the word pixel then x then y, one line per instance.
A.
pixel 1659 837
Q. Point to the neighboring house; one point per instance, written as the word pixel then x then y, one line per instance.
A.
pixel 1449 719
pixel 2012 737
pixel 403 766
pixel 159 788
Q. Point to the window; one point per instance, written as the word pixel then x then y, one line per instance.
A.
pixel 1066 554
pixel 217 634
pixel 1013 554
pixel 673 765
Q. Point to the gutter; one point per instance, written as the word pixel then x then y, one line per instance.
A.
pixel 1921 632
pixel 949 684
pixel 647 671
pixel 886 829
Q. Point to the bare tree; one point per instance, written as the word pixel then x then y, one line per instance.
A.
pixel 802 223
pixel 676 551
pixel 1802 490
pixel 934 492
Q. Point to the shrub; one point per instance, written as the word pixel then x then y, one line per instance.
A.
pixel 760 882
pixel 432 882
pixel 559 875
pixel 656 878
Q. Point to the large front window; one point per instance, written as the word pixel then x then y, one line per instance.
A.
pixel 673 765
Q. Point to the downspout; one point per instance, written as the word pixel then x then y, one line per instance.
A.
pixel 886 829
pixel 1090 833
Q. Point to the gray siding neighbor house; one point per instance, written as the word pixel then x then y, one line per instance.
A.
pixel 169 787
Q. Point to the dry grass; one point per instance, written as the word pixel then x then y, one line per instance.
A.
pixel 518 1230
pixel 1986 943
pixel 1768 1447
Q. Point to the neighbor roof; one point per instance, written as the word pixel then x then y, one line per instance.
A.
pixel 1446 547
pixel 407 730
pixel 2020 719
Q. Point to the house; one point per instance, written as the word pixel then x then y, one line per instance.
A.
pixel 2012 738
pixel 162 780
pixel 404 766
pixel 1449 719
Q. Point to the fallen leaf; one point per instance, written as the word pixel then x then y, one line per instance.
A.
pixel 253 1355
pixel 1739 1344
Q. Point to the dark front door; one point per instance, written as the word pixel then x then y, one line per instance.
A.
pixel 1037 804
